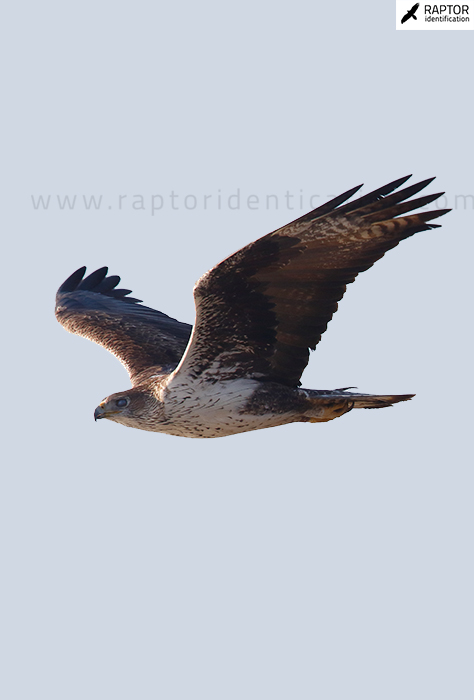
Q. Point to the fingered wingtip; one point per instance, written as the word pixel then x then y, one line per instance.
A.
pixel 70 284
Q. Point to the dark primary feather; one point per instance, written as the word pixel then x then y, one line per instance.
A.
pixel 259 311
pixel 139 336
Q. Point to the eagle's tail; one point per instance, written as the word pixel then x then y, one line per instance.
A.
pixel 382 401
pixel 327 405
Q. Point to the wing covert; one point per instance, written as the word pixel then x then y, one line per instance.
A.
pixel 140 337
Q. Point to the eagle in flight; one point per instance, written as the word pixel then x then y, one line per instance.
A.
pixel 258 313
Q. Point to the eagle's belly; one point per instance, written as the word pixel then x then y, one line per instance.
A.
pixel 217 409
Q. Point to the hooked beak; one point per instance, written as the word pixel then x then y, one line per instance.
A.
pixel 100 412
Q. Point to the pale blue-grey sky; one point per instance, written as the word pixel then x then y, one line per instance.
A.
pixel 327 561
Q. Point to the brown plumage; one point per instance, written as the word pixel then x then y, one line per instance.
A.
pixel 257 315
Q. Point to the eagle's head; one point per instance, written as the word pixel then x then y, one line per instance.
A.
pixel 135 408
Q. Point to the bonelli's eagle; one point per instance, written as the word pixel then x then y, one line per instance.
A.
pixel 257 315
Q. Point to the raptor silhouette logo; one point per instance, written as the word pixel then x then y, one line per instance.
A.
pixel 411 13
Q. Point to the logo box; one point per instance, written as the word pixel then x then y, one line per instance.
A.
pixel 416 16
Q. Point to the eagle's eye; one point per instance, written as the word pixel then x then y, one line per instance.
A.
pixel 121 403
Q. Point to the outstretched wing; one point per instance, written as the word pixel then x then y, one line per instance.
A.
pixel 140 337
pixel 259 311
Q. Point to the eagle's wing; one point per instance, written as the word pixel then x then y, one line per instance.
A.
pixel 259 311
pixel 140 337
